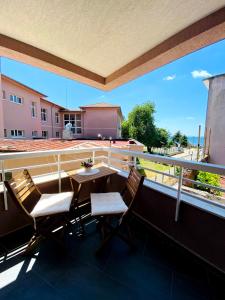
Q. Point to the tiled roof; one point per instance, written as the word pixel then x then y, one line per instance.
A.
pixel 101 104
pixel 53 103
pixel 23 85
pixel 53 144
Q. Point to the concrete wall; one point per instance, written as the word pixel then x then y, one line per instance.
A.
pixel 18 116
pixel 50 125
pixel 13 116
pixel 101 120
pixel 215 121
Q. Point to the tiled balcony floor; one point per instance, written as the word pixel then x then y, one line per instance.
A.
pixel 157 270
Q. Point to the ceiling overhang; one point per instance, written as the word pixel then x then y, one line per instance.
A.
pixel 204 32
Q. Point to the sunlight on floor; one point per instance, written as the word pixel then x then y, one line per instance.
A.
pixel 11 274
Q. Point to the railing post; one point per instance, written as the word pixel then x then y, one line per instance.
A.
pixel 179 194
pixel 135 162
pixel 93 157
pixel 109 156
pixel 59 172
pixel 4 188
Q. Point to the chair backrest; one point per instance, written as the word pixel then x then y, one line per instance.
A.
pixel 133 184
pixel 20 188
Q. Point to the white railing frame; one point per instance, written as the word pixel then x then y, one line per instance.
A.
pixel 217 169
pixel 4 188
pixel 180 181
pixel 59 172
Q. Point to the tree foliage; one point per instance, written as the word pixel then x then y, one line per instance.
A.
pixel 184 141
pixel 180 139
pixel 125 129
pixel 208 178
pixel 140 124
pixel 177 137
pixel 162 137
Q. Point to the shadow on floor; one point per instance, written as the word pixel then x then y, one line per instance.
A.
pixel 158 269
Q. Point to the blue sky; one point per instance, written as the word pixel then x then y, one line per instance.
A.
pixel 177 89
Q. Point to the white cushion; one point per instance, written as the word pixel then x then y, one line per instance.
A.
pixel 107 204
pixel 50 204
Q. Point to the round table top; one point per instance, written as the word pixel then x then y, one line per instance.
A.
pixel 88 172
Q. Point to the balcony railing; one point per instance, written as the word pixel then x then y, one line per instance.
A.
pixel 122 159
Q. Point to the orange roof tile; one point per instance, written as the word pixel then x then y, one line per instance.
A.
pixel 53 144
pixel 101 104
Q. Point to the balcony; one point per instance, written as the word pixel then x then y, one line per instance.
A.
pixel 179 236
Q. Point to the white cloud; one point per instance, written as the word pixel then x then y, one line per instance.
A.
pixel 170 77
pixel 200 74
pixel 190 118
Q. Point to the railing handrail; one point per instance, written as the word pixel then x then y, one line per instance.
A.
pixel 178 162
pixel 207 167
pixel 29 154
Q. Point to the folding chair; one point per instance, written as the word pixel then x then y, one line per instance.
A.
pixel 46 212
pixel 106 206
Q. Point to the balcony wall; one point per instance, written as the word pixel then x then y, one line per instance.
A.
pixel 197 230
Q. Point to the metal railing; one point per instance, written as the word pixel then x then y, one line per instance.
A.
pixel 111 158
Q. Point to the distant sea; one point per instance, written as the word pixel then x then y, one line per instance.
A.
pixel 193 140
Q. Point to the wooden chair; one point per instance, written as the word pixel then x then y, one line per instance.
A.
pixel 106 206
pixel 45 212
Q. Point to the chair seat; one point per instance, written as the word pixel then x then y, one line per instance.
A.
pixel 50 204
pixel 107 204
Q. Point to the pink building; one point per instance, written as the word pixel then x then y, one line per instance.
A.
pixel 26 113
pixel 96 119
pixel 215 119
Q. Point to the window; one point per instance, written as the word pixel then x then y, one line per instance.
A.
pixel 17 133
pixel 45 134
pixel 16 99
pixel 3 95
pixel 5 133
pixel 34 110
pixel 57 118
pixel 75 120
pixel 34 133
pixel 57 134
pixel 44 114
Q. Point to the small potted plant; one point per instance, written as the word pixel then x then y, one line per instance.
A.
pixel 87 165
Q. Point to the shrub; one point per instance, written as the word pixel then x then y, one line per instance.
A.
pixel 208 178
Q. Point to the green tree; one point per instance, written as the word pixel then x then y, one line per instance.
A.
pixel 125 129
pixel 141 124
pixel 177 137
pixel 181 139
pixel 184 141
pixel 162 137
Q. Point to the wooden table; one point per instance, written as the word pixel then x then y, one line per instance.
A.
pixel 104 172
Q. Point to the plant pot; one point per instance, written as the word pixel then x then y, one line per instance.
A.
pixel 87 170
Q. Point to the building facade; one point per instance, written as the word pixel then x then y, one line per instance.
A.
pixel 215 120
pixel 91 121
pixel 26 114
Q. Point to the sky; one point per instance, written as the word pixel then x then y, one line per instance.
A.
pixel 177 88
